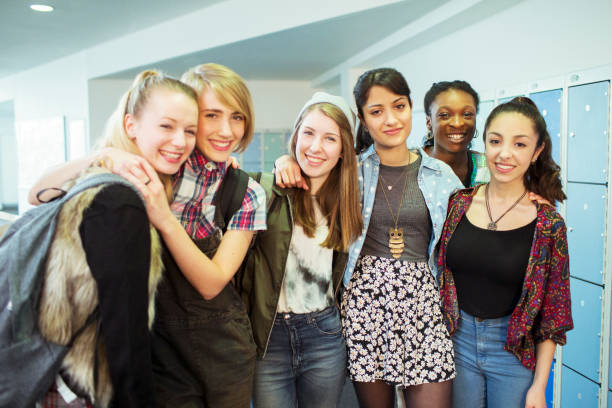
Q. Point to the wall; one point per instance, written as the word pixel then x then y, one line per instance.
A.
pixel 532 40
pixel 277 103
pixel 104 95
pixel 8 155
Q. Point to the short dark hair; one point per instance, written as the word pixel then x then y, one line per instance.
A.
pixel 442 86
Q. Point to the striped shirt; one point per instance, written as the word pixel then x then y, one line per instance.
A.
pixel 194 190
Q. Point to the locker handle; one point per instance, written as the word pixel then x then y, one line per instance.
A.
pixel 570 229
pixel 572 134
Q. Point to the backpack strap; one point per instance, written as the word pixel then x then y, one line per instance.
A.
pixel 266 181
pixel 24 247
pixel 229 196
pixel 96 180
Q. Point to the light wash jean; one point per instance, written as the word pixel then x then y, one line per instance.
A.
pixel 305 363
pixel 487 375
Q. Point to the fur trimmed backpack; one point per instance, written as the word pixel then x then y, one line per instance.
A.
pixel 30 361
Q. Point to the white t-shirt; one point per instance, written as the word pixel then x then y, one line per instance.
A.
pixel 307 286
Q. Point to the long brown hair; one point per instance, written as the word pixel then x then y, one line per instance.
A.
pixel 543 176
pixel 338 197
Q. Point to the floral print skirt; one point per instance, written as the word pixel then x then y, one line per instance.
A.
pixel 393 324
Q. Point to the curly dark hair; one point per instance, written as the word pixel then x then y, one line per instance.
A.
pixel 542 177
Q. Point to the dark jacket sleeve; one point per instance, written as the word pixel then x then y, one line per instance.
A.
pixel 117 243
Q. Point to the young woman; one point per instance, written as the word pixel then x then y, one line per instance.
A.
pixel 392 319
pixel 391 313
pixel 505 269
pixel 106 252
pixel 203 350
pixel 294 271
pixel 451 108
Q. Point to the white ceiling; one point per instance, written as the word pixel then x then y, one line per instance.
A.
pixel 304 52
pixel 28 38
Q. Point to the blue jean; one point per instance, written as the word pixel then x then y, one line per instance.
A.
pixel 305 363
pixel 487 375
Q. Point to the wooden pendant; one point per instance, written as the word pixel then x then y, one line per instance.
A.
pixel 396 242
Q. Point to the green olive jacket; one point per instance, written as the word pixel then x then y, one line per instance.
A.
pixel 260 278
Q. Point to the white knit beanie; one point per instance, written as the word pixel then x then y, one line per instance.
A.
pixel 338 101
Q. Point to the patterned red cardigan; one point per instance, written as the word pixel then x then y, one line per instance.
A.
pixel 544 308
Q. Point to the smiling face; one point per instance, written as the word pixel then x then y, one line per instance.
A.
pixel 452 121
pixel 318 147
pixel 165 130
pixel 388 118
pixel 220 128
pixel 511 146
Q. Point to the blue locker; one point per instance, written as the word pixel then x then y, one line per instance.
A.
pixel 585 230
pixel 251 157
pixel 484 108
pixel 274 147
pixel 577 391
pixel 549 104
pixel 587 131
pixel 610 399
pixel 550 384
pixel 581 352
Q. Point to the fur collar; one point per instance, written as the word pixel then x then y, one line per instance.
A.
pixel 69 296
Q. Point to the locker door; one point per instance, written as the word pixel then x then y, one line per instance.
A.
pixel 577 391
pixel 251 157
pixel 274 146
pixel 550 384
pixel 587 125
pixel 549 104
pixel 582 350
pixel 585 230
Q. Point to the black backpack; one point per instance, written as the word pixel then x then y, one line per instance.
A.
pixel 229 196
pixel 29 363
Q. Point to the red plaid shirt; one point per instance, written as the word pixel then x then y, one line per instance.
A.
pixel 194 189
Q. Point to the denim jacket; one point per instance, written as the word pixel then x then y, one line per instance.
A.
pixel 437 182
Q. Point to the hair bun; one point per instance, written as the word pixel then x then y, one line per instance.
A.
pixel 144 75
pixel 523 100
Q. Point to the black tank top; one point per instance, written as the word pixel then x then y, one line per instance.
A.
pixel 489 267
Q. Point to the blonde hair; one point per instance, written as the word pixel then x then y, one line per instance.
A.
pixel 338 197
pixel 133 102
pixel 229 88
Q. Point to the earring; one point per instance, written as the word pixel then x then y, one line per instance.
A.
pixel 475 135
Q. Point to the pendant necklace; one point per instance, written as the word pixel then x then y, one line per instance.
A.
pixel 396 235
pixel 493 224
pixel 389 186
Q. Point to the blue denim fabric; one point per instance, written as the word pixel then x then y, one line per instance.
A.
pixel 487 375
pixel 305 362
pixel 437 182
